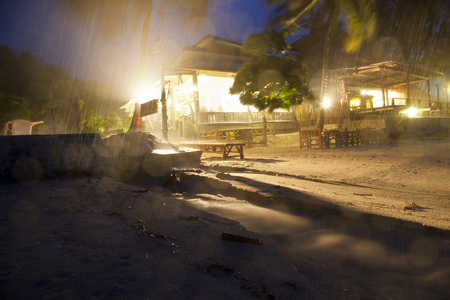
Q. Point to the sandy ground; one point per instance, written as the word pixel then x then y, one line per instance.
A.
pixel 405 179
pixel 385 234
pixel 96 238
pixel 91 238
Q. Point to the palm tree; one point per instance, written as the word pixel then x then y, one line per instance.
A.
pixel 110 16
pixel 358 15
pixel 417 31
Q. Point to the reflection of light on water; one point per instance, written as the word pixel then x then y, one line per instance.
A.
pixel 388 267
pixel 187 149
pixel 173 151
pixel 165 151
pixel 327 239
pixel 304 236
pixel 253 217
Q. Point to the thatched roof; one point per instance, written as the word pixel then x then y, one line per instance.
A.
pixel 210 54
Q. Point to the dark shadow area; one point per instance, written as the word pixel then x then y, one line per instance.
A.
pixel 226 169
pixel 294 202
pixel 324 241
pixel 399 259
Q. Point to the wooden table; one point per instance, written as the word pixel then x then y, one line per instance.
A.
pixel 224 147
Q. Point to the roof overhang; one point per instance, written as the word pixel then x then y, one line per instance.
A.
pixel 389 74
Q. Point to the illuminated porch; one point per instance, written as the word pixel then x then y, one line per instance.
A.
pixel 197 84
pixel 389 86
pixel 374 95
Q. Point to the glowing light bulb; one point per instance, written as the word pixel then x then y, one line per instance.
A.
pixel 326 102
pixel 411 112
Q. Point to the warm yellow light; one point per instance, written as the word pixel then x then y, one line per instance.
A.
pixel 363 92
pixel 146 94
pixel 355 102
pixel 411 112
pixel 216 94
pixel 326 102
pixel 188 88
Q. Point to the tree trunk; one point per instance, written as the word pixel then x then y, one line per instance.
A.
pixel 163 106
pixel 264 140
pixel 144 42
pixel 136 123
pixel 326 56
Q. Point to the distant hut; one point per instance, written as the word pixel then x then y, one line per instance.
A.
pixel 374 95
pixel 197 84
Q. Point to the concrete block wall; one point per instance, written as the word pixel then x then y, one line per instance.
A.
pixel 36 157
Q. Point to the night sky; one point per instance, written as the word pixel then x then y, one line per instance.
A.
pixel 39 26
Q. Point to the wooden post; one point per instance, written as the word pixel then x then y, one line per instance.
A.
pixel 408 91
pixel 184 134
pixel 264 141
pixel 172 110
pixel 164 105
pixel 196 98
pixel 382 86
pixel 446 97
pixel 180 79
pixel 437 92
pixel 346 99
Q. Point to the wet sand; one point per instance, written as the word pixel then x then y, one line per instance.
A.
pixel 102 239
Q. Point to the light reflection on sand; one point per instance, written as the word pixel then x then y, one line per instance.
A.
pixel 391 268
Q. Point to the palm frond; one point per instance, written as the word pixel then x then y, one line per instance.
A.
pixel 290 12
pixel 361 23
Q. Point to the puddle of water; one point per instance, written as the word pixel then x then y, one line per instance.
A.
pixel 164 151
pixel 254 218
pixel 414 271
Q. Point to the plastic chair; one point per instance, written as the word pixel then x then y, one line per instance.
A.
pixel 19 127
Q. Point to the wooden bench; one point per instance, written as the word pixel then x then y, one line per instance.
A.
pixel 331 138
pixel 242 134
pixel 310 138
pixel 353 138
pixel 340 138
pixel 223 147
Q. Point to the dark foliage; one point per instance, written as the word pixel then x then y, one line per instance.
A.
pixel 34 91
pixel 273 77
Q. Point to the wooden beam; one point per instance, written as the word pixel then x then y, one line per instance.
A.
pixel 408 91
pixel 196 98
pixel 186 94
pixel 382 86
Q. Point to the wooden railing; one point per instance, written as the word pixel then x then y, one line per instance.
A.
pixel 224 117
pixel 276 116
pixel 243 117
pixel 403 102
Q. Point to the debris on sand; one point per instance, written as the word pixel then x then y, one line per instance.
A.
pixel 413 206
